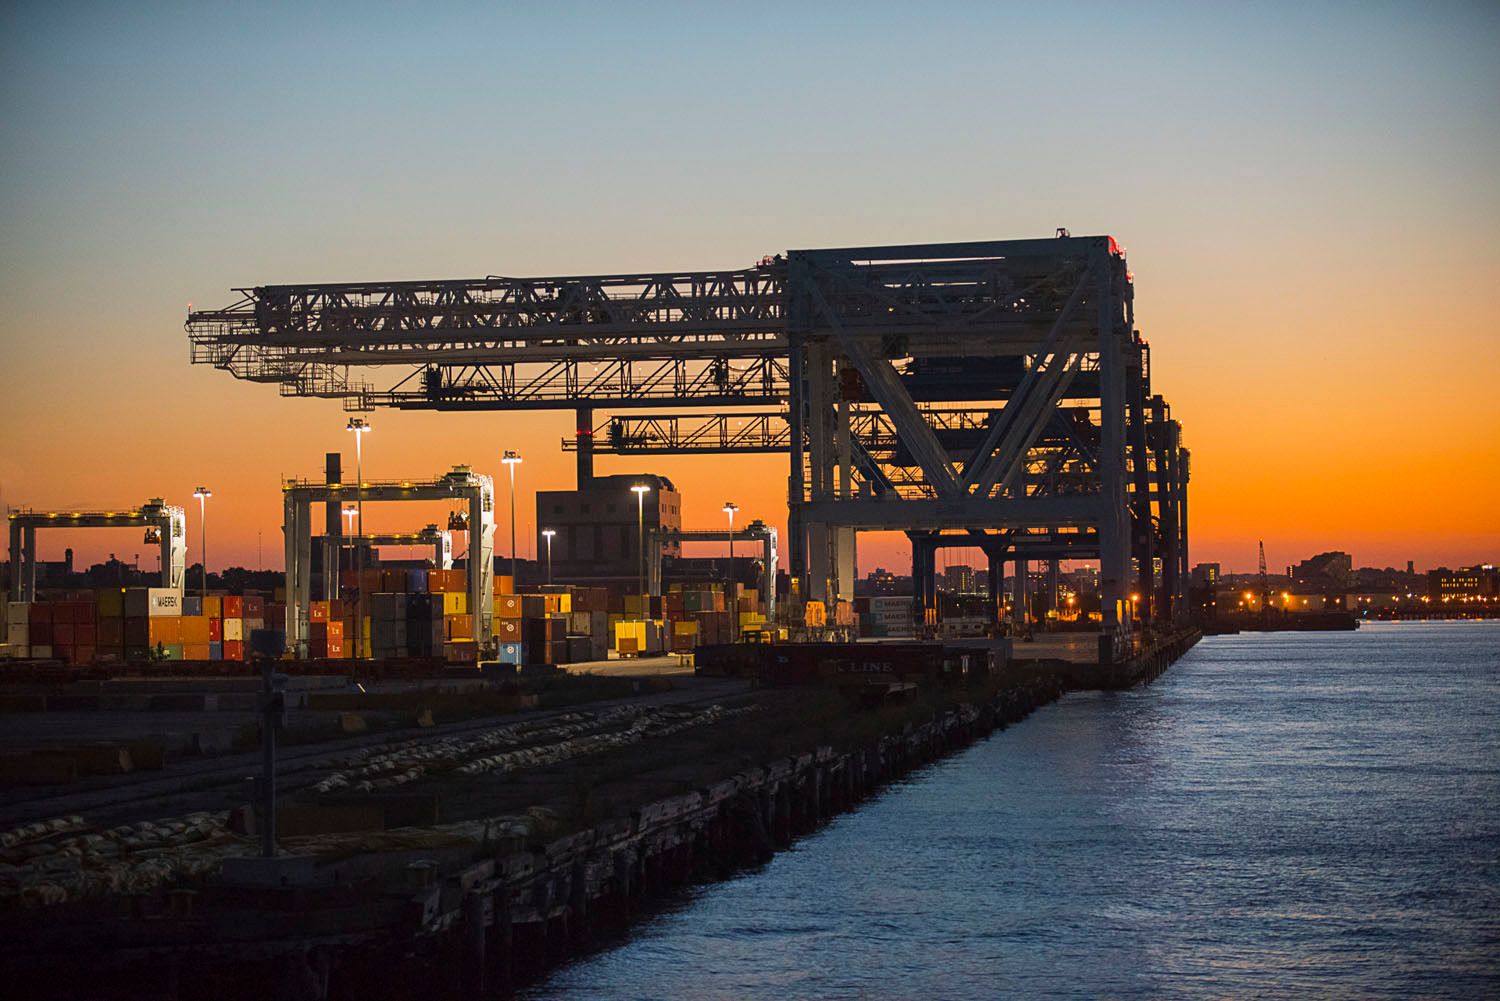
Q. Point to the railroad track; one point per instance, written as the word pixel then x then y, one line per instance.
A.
pixel 198 785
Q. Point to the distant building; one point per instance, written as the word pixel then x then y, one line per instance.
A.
pixel 1206 574
pixel 881 582
pixel 1325 571
pixel 597 530
pixel 959 579
pixel 1466 582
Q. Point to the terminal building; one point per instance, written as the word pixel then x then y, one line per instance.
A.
pixel 598 527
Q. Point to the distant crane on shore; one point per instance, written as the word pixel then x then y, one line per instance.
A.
pixel 1265 584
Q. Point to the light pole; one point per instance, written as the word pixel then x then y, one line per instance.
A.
pixel 203 494
pixel 512 459
pixel 730 507
pixel 640 490
pixel 348 511
pixel 360 427
pixel 548 533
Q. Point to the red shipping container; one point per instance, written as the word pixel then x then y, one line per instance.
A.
pixel 234 606
pixel 62 634
pixel 215 630
pixel 39 614
pixel 234 649
pixel 84 634
pixel 111 632
pixel 255 606
pixel 335 650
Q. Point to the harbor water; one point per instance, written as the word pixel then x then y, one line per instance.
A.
pixel 1287 814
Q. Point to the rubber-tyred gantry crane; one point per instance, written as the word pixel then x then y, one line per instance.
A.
pixel 991 393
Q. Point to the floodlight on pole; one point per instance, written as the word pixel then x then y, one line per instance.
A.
pixel 203 494
pixel 640 490
pixel 548 533
pixel 348 511
pixel 730 507
pixel 512 459
pixel 360 427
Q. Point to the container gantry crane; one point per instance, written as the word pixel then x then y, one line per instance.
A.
pixel 990 393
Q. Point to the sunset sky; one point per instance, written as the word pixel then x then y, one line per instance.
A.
pixel 1310 195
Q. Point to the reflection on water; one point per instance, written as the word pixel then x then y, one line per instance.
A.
pixel 1279 814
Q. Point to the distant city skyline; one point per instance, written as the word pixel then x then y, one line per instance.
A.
pixel 1307 195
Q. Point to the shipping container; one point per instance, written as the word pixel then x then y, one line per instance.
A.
pixel 164 630
pixel 111 603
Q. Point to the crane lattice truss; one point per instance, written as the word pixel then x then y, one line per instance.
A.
pixel 992 393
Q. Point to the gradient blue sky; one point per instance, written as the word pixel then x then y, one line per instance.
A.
pixel 1309 195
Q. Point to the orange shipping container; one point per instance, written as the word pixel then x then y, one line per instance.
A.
pixel 195 633
pixel 213 606
pixel 164 629
pixel 508 606
pixel 316 612
pixel 458 627
pixel 195 651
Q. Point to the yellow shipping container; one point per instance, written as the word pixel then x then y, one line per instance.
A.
pixel 634 606
pixel 213 606
pixel 630 635
pixel 748 619
pixel 685 627
pixel 234 629
pixel 455 603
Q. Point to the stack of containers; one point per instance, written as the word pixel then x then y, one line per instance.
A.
pixel 589 619
pixel 18 628
pixel 387 625
pixel 39 629
pixel 325 631
pixel 153 619
pixel 73 631
pixel 449 591
pixel 110 625
pixel 194 627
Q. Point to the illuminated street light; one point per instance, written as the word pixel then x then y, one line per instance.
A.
pixel 547 534
pixel 360 427
pixel 512 459
pixel 730 507
pixel 640 490
pixel 203 494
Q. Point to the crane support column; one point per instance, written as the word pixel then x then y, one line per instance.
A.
pixel 583 435
pixel 1114 541
pixel 1141 536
